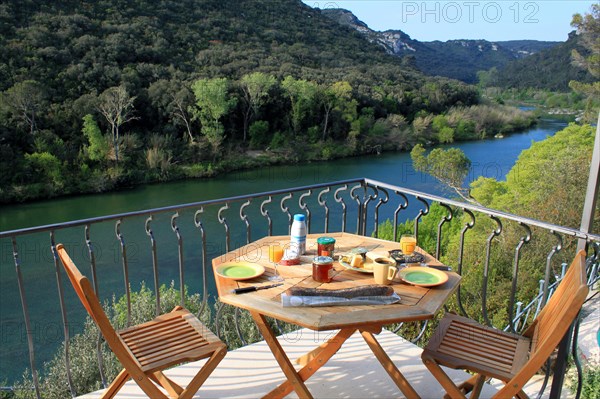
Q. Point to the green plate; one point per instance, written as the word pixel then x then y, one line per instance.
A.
pixel 423 276
pixel 240 270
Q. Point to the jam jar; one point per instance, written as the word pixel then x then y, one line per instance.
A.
pixel 325 246
pixel 322 269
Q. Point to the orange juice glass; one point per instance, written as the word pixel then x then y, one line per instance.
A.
pixel 408 243
pixel 275 255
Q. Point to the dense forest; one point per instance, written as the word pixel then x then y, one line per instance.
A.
pixel 97 95
pixel 550 69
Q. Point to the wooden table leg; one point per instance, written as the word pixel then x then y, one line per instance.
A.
pixel 389 366
pixel 314 360
pixel 284 362
pixel 332 345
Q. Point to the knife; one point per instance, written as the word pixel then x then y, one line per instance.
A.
pixel 253 288
pixel 441 267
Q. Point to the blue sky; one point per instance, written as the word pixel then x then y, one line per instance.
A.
pixel 492 20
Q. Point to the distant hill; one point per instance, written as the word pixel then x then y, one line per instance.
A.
pixel 549 69
pixel 457 59
pixel 524 48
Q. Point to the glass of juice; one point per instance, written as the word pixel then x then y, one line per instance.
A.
pixel 275 255
pixel 408 243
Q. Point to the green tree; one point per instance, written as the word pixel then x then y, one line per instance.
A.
pixel 25 99
pixel 301 94
pixel 588 28
pixel 550 172
pixel 212 103
pixel 338 97
pixel 450 167
pixel 116 105
pixel 442 128
pixel 46 168
pixel 97 150
pixel 256 87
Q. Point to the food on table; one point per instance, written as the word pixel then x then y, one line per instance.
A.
pixel 357 261
pixel 365 290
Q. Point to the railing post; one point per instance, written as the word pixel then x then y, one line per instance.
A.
pixel 593 189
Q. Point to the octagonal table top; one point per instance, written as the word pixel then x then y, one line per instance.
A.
pixel 416 303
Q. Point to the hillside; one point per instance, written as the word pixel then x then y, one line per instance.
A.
pixel 457 59
pixel 525 48
pixel 550 69
pixel 320 82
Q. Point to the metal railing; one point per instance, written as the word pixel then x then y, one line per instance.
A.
pixel 203 230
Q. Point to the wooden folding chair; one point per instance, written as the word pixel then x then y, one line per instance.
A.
pixel 462 343
pixel 147 349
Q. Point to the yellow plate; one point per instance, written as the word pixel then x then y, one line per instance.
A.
pixel 240 270
pixel 423 276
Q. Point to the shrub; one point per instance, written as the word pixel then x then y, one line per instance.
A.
pixel 590 383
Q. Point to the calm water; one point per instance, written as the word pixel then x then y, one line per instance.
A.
pixel 490 158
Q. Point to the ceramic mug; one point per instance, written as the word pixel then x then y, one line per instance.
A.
pixel 384 270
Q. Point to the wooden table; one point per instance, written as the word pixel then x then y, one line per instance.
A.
pixel 417 303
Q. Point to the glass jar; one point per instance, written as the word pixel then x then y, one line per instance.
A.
pixel 322 269
pixel 325 246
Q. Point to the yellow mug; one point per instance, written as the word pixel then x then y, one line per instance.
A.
pixel 384 270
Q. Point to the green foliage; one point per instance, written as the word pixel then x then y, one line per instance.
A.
pixel 450 166
pixel 548 172
pixel 428 227
pixel 549 69
pixel 302 95
pixel 45 168
pixel 259 134
pixel 588 28
pixel 213 102
pixel 98 147
pixel 590 383
pixel 255 88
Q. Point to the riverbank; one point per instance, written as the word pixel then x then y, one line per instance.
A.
pixel 45 177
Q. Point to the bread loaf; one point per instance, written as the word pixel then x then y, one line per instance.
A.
pixel 365 290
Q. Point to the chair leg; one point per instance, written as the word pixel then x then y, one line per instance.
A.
pixel 203 374
pixel 480 379
pixel 116 385
pixel 522 395
pixel 443 378
pixel 171 387
pixel 146 384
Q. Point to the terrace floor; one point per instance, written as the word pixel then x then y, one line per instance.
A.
pixel 251 371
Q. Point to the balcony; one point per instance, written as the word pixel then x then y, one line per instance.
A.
pixel 177 243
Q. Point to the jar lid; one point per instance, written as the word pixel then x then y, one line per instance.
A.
pixel 325 240
pixel 322 260
pixel 299 217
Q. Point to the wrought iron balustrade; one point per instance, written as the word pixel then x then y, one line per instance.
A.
pixel 177 242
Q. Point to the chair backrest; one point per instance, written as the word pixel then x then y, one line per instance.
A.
pixel 563 306
pixel 90 301
pixel 553 322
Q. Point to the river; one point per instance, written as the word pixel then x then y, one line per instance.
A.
pixel 490 158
